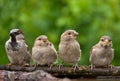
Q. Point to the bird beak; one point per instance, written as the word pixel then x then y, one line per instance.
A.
pixel 76 34
pixel 44 40
pixel 106 42
pixel 11 34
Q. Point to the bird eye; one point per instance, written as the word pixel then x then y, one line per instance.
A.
pixel 16 33
pixel 39 39
pixel 102 39
pixel 69 33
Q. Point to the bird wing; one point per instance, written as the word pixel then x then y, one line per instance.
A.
pixel 28 53
pixel 92 49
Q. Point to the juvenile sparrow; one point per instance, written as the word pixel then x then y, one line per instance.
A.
pixel 43 51
pixel 69 48
pixel 16 49
pixel 102 54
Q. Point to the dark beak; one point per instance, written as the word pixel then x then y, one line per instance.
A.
pixel 12 34
pixel 13 39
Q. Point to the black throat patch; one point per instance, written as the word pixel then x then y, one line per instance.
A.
pixel 13 43
pixel 14 46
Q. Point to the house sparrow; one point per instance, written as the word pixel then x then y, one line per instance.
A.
pixel 102 54
pixel 16 49
pixel 69 48
pixel 43 51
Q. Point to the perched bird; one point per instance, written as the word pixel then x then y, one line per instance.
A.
pixel 69 48
pixel 43 51
pixel 102 54
pixel 16 48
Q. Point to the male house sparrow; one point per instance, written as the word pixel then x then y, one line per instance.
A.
pixel 102 54
pixel 69 48
pixel 43 51
pixel 17 49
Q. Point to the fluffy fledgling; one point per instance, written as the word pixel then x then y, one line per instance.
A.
pixel 69 48
pixel 43 51
pixel 102 54
pixel 16 49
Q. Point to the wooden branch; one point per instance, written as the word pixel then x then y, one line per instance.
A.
pixel 83 71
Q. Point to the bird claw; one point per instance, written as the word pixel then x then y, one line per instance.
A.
pixel 92 66
pixel 51 65
pixel 8 65
pixel 60 66
pixel 75 67
pixel 26 65
pixel 35 66
pixel 110 66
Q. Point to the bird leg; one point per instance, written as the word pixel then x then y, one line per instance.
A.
pixel 51 65
pixel 35 65
pixel 110 66
pixel 26 65
pixel 75 67
pixel 92 66
pixel 8 65
pixel 60 66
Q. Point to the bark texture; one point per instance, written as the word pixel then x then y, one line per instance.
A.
pixel 18 73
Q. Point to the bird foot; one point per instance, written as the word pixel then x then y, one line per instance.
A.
pixel 8 65
pixel 75 67
pixel 110 67
pixel 60 66
pixel 51 65
pixel 35 66
pixel 92 66
pixel 26 65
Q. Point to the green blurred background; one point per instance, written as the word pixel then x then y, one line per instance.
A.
pixel 91 18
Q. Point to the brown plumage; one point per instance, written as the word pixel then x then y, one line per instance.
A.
pixel 102 54
pixel 69 48
pixel 43 51
pixel 17 49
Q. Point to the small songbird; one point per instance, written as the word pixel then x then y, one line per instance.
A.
pixel 102 54
pixel 43 51
pixel 69 48
pixel 16 49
